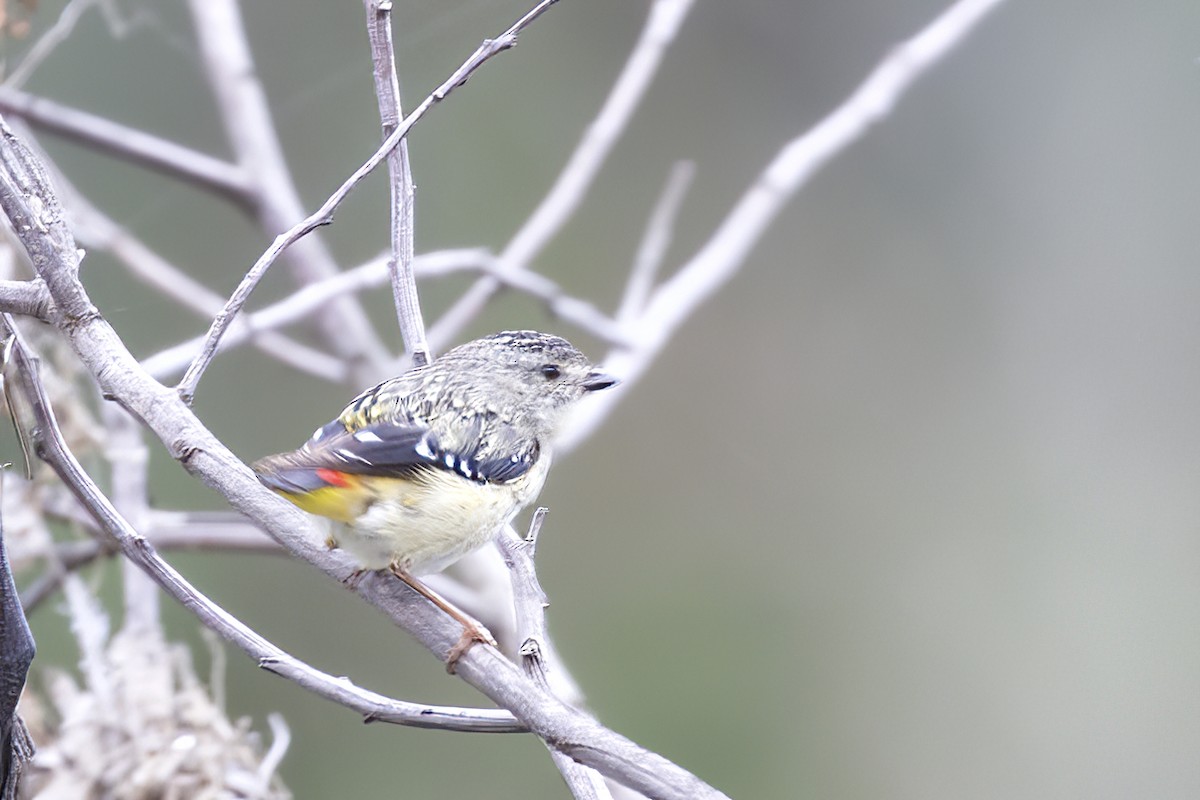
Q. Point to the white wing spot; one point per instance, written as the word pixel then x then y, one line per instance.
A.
pixel 368 436
pixel 424 450
pixel 350 455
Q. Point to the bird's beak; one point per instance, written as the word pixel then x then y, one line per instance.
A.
pixel 597 380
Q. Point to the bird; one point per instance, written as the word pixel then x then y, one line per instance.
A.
pixel 424 468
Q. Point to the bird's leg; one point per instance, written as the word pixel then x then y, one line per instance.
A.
pixel 473 630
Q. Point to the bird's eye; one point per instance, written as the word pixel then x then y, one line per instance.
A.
pixel 550 371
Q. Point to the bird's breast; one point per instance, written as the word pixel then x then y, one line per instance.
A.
pixel 431 520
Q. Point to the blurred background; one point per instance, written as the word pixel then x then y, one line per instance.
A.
pixel 909 510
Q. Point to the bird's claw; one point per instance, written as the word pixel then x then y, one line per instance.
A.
pixel 470 635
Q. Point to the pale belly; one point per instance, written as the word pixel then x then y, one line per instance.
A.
pixel 426 526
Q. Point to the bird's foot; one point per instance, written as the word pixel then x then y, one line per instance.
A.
pixel 352 580
pixel 472 633
pixel 473 630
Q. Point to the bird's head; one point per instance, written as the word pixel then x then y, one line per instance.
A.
pixel 538 374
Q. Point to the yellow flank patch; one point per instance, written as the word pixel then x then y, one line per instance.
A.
pixel 342 503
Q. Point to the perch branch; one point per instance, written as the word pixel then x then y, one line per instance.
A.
pixel 29 203
pixel 52 449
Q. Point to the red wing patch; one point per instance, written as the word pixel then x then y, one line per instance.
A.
pixel 333 477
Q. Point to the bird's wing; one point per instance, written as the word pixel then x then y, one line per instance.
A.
pixel 402 447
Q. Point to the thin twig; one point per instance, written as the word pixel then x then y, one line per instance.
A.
pixel 725 252
pixel 61 30
pixel 662 24
pixel 655 241
pixel 98 231
pixel 300 304
pixel 400 266
pixel 529 601
pixel 243 109
pixel 324 214
pixel 49 41
pixel 163 534
pixel 281 739
pixel 139 550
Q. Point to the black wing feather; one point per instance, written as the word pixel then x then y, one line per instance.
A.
pixel 401 448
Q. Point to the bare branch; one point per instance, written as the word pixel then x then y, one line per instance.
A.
pixel 129 144
pixel 167 531
pixel 27 298
pixel 300 304
pixel 245 112
pixel 61 30
pixel 293 308
pixel 725 251
pixel 655 242
pixel 530 603
pixel 281 740
pixel 54 451
pixel 29 203
pixel 46 44
pixel 16 654
pixel 324 215
pixel 128 461
pixel 30 298
pixel 387 90
pixel 666 16
pixel 98 231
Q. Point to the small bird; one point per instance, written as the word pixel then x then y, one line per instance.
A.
pixel 427 467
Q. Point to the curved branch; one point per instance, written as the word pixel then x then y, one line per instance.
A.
pixel 51 249
pixel 52 449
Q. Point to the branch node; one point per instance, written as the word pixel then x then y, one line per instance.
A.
pixel 531 648
pixel 183 451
